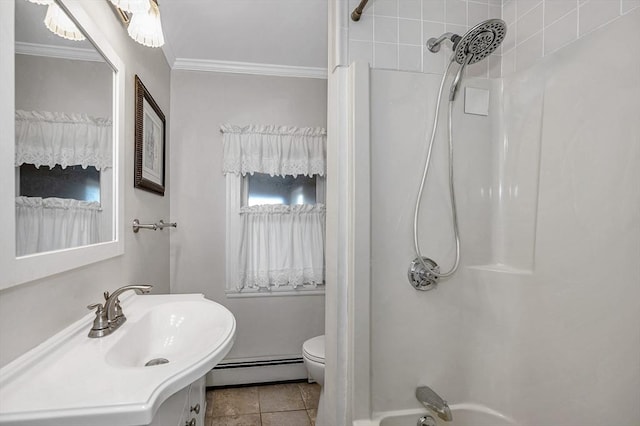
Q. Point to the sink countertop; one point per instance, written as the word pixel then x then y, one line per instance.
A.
pixel 72 379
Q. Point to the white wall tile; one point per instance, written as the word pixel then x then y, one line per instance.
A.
pixel 363 29
pixel 385 8
pixel 385 29
pixel 410 31
pixel 456 12
pixel 477 12
pixel 361 51
pixel 554 23
pixel 529 24
pixel 455 28
pixel 524 6
pixel 556 9
pixel 529 52
pixel 385 55
pixel 509 11
pixel 596 13
pixel 431 29
pixel 629 5
pixel 561 32
pixel 410 9
pixel 433 10
pixel 495 11
pixel 410 58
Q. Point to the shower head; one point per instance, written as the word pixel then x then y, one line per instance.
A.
pixel 480 41
pixel 476 44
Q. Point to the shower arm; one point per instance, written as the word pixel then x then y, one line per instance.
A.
pixel 433 44
pixel 357 12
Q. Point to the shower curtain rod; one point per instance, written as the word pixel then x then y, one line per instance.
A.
pixel 357 12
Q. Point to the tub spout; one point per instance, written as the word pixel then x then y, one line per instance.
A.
pixel 434 402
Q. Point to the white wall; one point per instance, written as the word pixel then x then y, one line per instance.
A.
pixel 201 102
pixel 34 311
pixel 557 341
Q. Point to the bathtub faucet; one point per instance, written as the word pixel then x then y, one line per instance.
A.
pixel 110 316
pixel 434 402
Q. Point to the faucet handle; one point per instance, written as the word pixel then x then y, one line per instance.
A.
pixel 100 323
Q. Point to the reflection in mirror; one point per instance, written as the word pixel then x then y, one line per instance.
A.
pixel 64 134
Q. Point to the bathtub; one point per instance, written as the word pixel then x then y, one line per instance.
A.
pixel 465 414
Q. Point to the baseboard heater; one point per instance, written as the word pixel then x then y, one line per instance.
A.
pixel 224 365
pixel 257 370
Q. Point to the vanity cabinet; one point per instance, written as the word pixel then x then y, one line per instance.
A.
pixel 184 408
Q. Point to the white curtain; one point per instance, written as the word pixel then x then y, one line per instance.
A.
pixel 50 138
pixel 45 224
pixel 275 150
pixel 282 245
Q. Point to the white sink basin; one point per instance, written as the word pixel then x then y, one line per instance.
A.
pixel 73 380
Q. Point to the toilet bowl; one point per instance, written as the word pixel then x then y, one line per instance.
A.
pixel 313 356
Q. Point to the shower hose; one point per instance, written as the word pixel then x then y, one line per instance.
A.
pixel 454 212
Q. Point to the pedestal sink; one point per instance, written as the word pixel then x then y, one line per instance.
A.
pixel 168 342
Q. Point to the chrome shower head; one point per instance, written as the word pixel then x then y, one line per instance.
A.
pixel 480 41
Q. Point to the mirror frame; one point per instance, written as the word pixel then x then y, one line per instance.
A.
pixel 17 270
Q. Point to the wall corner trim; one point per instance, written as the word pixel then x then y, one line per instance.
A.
pixel 248 68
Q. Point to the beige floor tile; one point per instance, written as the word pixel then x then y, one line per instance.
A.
pixel 242 420
pixel 310 394
pixel 284 397
pixel 313 413
pixel 235 401
pixel 286 418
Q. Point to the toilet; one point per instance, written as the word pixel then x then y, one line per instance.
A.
pixel 313 355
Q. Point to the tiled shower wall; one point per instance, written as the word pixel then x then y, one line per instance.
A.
pixel 391 34
pixel 538 28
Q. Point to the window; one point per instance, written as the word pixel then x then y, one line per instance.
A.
pixel 71 182
pixel 275 211
pixel 261 188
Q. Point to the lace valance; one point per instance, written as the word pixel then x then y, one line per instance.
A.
pixel 51 138
pixel 275 150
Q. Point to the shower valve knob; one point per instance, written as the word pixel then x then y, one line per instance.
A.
pixel 422 278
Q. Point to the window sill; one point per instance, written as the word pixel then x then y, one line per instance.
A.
pixel 276 292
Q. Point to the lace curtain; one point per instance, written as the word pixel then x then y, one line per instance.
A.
pixel 50 138
pixel 275 150
pixel 46 224
pixel 279 245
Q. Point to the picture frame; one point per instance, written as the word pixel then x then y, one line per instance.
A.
pixel 150 152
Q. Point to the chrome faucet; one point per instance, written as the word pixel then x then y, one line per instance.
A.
pixel 434 402
pixel 110 316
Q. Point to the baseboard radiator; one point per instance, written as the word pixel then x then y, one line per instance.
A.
pixel 257 370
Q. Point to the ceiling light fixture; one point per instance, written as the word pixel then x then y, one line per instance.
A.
pixel 59 23
pixel 131 6
pixel 145 26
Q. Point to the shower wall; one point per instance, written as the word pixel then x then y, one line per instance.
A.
pixel 541 320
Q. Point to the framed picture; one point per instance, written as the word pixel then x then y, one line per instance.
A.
pixel 150 142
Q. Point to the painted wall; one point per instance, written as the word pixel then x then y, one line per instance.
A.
pixel 552 340
pixel 201 102
pixel 34 311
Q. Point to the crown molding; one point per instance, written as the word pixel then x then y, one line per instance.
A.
pixel 248 68
pixel 62 52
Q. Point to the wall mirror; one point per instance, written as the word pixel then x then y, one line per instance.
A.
pixel 63 123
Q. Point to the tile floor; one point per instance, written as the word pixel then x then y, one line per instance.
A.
pixel 289 404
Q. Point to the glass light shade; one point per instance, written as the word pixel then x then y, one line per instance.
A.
pixel 42 2
pixel 133 6
pixel 60 24
pixel 146 28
